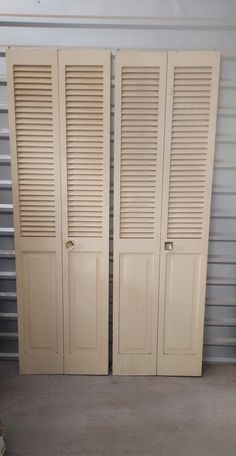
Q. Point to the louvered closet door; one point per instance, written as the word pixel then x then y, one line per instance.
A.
pixel 33 118
pixel 84 122
pixel 139 133
pixel 191 105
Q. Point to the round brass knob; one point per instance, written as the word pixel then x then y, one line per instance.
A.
pixel 70 245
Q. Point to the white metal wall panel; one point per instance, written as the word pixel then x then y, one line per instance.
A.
pixel 183 25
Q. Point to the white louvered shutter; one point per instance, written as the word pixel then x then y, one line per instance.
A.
pixel 191 106
pixel 139 133
pixel 84 123
pixel 34 123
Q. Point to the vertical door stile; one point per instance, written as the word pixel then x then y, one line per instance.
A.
pixel 191 106
pixel 33 120
pixel 84 89
pixel 139 134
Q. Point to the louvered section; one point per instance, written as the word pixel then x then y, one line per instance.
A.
pixel 139 122
pixel 35 149
pixel 85 150
pixel 189 144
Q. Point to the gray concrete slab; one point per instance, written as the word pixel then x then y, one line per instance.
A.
pixel 106 416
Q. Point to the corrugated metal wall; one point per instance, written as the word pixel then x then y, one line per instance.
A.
pixel 138 25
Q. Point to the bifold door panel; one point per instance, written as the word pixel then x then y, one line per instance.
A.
pixel 139 136
pixel 158 315
pixel 34 124
pixel 165 118
pixel 84 127
pixel 191 106
pixel 60 173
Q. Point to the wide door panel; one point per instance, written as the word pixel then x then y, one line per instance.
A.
pixel 191 106
pixel 139 133
pixel 34 123
pixel 84 128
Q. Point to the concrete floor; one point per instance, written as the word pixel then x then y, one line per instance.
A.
pixel 106 416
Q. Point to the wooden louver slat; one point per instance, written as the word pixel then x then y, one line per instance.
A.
pixel 35 154
pixel 84 144
pixel 189 146
pixel 139 122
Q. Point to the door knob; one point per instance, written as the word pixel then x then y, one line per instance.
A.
pixel 169 246
pixel 70 245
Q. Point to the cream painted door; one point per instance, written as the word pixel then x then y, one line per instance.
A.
pixel 191 106
pixel 84 88
pixel 139 133
pixel 34 123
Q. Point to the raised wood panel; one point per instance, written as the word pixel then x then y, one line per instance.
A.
pixel 85 301
pixel 40 301
pixel 181 303
pixel 136 302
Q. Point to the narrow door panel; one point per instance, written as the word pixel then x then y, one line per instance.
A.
pixel 35 153
pixel 191 106
pixel 139 133
pixel 84 129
